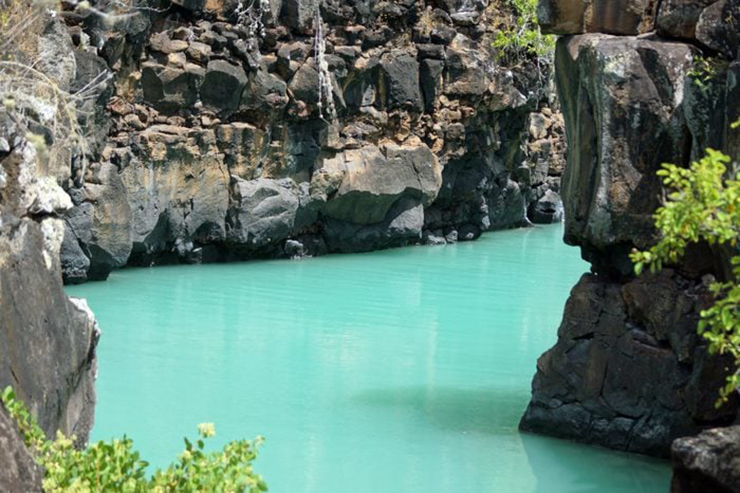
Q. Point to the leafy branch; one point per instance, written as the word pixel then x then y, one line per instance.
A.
pixel 703 206
pixel 116 466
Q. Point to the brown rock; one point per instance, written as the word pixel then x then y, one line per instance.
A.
pixel 622 101
pixel 598 16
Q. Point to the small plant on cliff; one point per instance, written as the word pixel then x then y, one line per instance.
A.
pixel 28 91
pixel 521 37
pixel 706 70
pixel 703 206
pixel 116 466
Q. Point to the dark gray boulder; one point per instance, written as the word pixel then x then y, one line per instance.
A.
pixel 678 18
pixel 402 225
pixel 168 89
pixel 264 90
pixel 400 81
pixel 711 23
pixel 708 462
pixel 222 86
pixel 75 264
pixel 299 14
pixel 548 209
pixel 19 472
pixel 629 371
pixel 430 78
pixel 717 27
pixel 360 186
pixel 263 212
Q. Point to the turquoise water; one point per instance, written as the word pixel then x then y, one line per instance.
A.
pixel 398 371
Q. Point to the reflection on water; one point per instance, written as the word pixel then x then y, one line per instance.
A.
pixel 398 371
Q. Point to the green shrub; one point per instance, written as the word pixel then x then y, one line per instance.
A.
pixel 703 205
pixel 522 37
pixel 114 466
pixel 706 70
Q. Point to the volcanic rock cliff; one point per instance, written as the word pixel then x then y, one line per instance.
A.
pixel 629 370
pixel 47 340
pixel 241 129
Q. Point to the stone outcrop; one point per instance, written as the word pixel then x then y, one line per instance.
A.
pixel 629 371
pixel 710 24
pixel 19 471
pixel 707 462
pixel 627 111
pixel 48 340
pixel 238 130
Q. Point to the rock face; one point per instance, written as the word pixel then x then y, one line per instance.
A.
pixel 337 126
pixel 48 340
pixel 708 23
pixel 629 371
pixel 627 112
pixel 707 462
pixel 19 471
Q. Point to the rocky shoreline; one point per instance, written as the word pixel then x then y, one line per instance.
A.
pixel 224 131
pixel 629 371
pixel 289 128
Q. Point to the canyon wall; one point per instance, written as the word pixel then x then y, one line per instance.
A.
pixel 242 129
pixel 637 89
pixel 47 340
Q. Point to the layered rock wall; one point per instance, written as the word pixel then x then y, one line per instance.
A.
pixel 47 340
pixel 298 127
pixel 629 370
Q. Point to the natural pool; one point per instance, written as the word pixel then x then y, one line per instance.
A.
pixel 398 371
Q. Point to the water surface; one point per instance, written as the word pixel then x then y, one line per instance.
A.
pixel 398 371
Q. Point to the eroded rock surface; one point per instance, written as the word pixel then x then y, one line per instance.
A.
pixel 18 472
pixel 708 23
pixel 629 370
pixel 707 462
pixel 47 349
pixel 337 126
